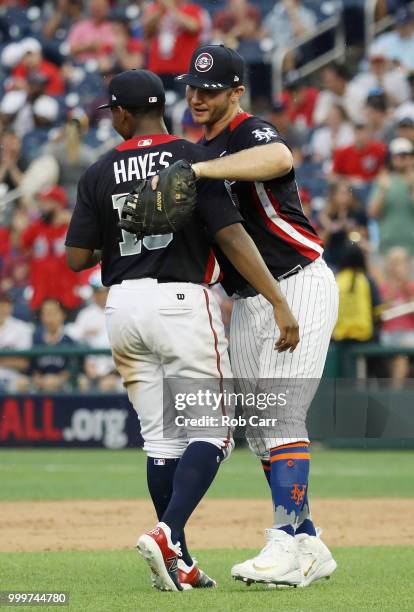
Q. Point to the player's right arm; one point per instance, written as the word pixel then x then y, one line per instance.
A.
pixel 83 240
pixel 223 222
pixel 242 252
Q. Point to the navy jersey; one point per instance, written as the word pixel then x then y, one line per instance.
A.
pixel 184 256
pixel 272 210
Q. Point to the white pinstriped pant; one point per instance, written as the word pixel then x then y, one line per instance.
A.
pixel 312 295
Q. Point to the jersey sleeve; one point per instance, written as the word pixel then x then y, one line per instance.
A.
pixel 253 132
pixel 84 231
pixel 215 206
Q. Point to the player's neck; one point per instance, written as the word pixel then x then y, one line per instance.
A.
pixel 150 127
pixel 213 130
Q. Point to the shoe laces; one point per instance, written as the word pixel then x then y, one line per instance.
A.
pixel 177 549
pixel 274 542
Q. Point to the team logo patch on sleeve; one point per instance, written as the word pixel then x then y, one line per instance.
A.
pixel 204 62
pixel 266 134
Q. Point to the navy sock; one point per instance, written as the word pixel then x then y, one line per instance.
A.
pixel 267 470
pixel 194 474
pixel 289 481
pixel 305 523
pixel 160 477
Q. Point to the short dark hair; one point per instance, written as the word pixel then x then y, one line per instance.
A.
pixel 377 102
pixel 53 301
pixel 353 257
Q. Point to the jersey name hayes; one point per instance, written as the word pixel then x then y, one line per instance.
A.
pixel 140 166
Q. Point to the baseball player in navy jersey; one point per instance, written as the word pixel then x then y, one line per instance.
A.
pixel 257 166
pixel 162 318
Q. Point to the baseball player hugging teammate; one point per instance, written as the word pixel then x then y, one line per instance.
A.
pixel 163 321
pixel 257 167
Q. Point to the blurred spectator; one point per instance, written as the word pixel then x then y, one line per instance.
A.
pixel 71 153
pixel 287 22
pixel 173 29
pixel 10 56
pixel 378 121
pixel 12 162
pixel 89 328
pixel 398 45
pixel 361 161
pixel 45 111
pixel 292 134
pixel 43 114
pixel 64 15
pixel 93 37
pixel 191 131
pixel 337 90
pixel 359 299
pixel 383 75
pixel 14 334
pixel 407 108
pixel 405 129
pixel 300 102
pixel 23 111
pixel 11 105
pixel 51 372
pixel 336 133
pixel 392 199
pixel 127 53
pixel 397 291
pixel 50 276
pixel 14 266
pixel 343 219
pixel 238 21
pixel 33 62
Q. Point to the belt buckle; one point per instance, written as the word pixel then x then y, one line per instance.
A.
pixel 291 272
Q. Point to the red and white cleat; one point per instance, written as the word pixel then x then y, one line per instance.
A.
pixel 193 577
pixel 161 555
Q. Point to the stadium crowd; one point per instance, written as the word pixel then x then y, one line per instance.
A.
pixel 351 130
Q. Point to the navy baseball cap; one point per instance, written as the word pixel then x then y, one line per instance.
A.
pixel 214 67
pixel 135 89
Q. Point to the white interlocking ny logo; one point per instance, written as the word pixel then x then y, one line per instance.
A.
pixel 264 134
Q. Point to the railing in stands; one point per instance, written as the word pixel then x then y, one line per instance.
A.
pixel 374 26
pixel 332 24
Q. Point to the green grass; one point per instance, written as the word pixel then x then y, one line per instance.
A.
pixel 105 474
pixel 377 578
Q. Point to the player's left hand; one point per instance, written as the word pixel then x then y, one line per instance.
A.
pixel 288 327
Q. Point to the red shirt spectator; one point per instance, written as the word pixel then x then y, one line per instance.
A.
pixel 398 289
pixel 173 29
pixel 94 37
pixel 32 62
pixel 300 103
pixel 361 160
pixel 395 297
pixel 238 21
pixel 50 276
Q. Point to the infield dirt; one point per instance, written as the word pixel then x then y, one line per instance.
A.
pixel 229 523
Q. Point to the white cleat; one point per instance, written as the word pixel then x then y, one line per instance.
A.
pixel 277 563
pixel 315 557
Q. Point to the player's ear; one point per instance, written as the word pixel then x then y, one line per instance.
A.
pixel 237 93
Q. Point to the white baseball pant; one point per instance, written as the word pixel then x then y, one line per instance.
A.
pixel 166 330
pixel 312 295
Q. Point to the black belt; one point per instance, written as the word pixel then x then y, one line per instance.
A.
pixel 248 291
pixel 168 280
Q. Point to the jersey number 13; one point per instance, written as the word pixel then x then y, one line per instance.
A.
pixel 129 245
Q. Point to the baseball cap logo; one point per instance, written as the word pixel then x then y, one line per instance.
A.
pixel 113 97
pixel 204 62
